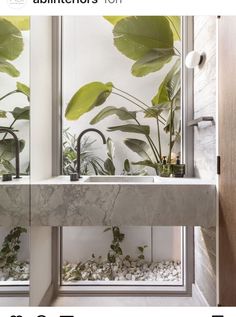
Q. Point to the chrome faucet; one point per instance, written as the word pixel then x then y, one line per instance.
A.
pixel 17 148
pixel 79 145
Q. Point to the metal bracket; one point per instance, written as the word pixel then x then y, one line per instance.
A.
pixel 195 122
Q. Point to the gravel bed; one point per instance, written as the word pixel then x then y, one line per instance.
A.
pixel 20 272
pixel 123 270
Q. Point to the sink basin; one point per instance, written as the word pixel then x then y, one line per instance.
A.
pixel 119 179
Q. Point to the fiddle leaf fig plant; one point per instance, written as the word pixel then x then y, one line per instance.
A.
pixel 151 42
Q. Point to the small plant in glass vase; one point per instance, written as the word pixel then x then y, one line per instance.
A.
pixel 152 42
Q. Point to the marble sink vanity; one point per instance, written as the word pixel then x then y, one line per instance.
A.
pixel 120 200
pixel 15 202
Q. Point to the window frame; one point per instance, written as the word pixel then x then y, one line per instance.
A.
pixel 187 158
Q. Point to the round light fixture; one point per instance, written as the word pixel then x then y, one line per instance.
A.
pixel 194 59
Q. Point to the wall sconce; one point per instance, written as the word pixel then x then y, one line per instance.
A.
pixel 194 59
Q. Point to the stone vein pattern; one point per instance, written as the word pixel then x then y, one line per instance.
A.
pixel 14 205
pixel 205 92
pixel 133 205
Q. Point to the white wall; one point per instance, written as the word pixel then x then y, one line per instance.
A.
pixel 205 85
pixel 41 98
pixel 89 55
pixel 41 150
pixel 89 240
pixel 40 263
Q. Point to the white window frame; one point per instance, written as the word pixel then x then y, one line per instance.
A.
pixel 186 143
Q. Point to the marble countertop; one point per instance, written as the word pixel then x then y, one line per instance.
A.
pixel 64 179
pixel 15 202
pixel 161 202
pixel 156 202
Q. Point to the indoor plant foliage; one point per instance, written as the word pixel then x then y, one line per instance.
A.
pixel 119 267
pixel 90 163
pixel 10 267
pixel 11 47
pixel 151 43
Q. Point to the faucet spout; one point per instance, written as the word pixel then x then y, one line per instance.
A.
pixel 79 146
pixel 17 148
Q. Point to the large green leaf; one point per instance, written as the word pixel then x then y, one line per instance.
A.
pixel 24 89
pixel 7 148
pixel 110 148
pixel 11 42
pixel 86 98
pixel 140 147
pixel 21 113
pixel 8 166
pixel 132 128
pixel 127 168
pixel 21 22
pixel 174 85
pixel 152 62
pixel 8 68
pixel 175 24
pixel 122 113
pixel 163 95
pixel 114 19
pixel 135 36
pixel 155 111
pixel 3 114
pixel 145 163
pixel 109 166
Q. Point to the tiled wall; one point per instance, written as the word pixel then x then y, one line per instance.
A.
pixel 205 149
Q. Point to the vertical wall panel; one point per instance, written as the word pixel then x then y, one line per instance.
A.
pixel 205 149
pixel 41 149
pixel 227 151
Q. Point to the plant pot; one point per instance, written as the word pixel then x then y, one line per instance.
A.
pixel 171 170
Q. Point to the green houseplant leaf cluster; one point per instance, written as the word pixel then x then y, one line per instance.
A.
pixel 11 47
pixel 10 248
pixel 151 43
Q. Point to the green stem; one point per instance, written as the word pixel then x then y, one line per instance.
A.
pixel 151 143
pixel 128 94
pixel 154 149
pixel 159 137
pixel 178 52
pixel 9 94
pixel 115 93
pixel 170 145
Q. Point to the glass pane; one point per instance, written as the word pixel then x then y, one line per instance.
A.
pixel 128 87
pixel 14 157
pixel 125 255
pixel 14 256
pixel 14 120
